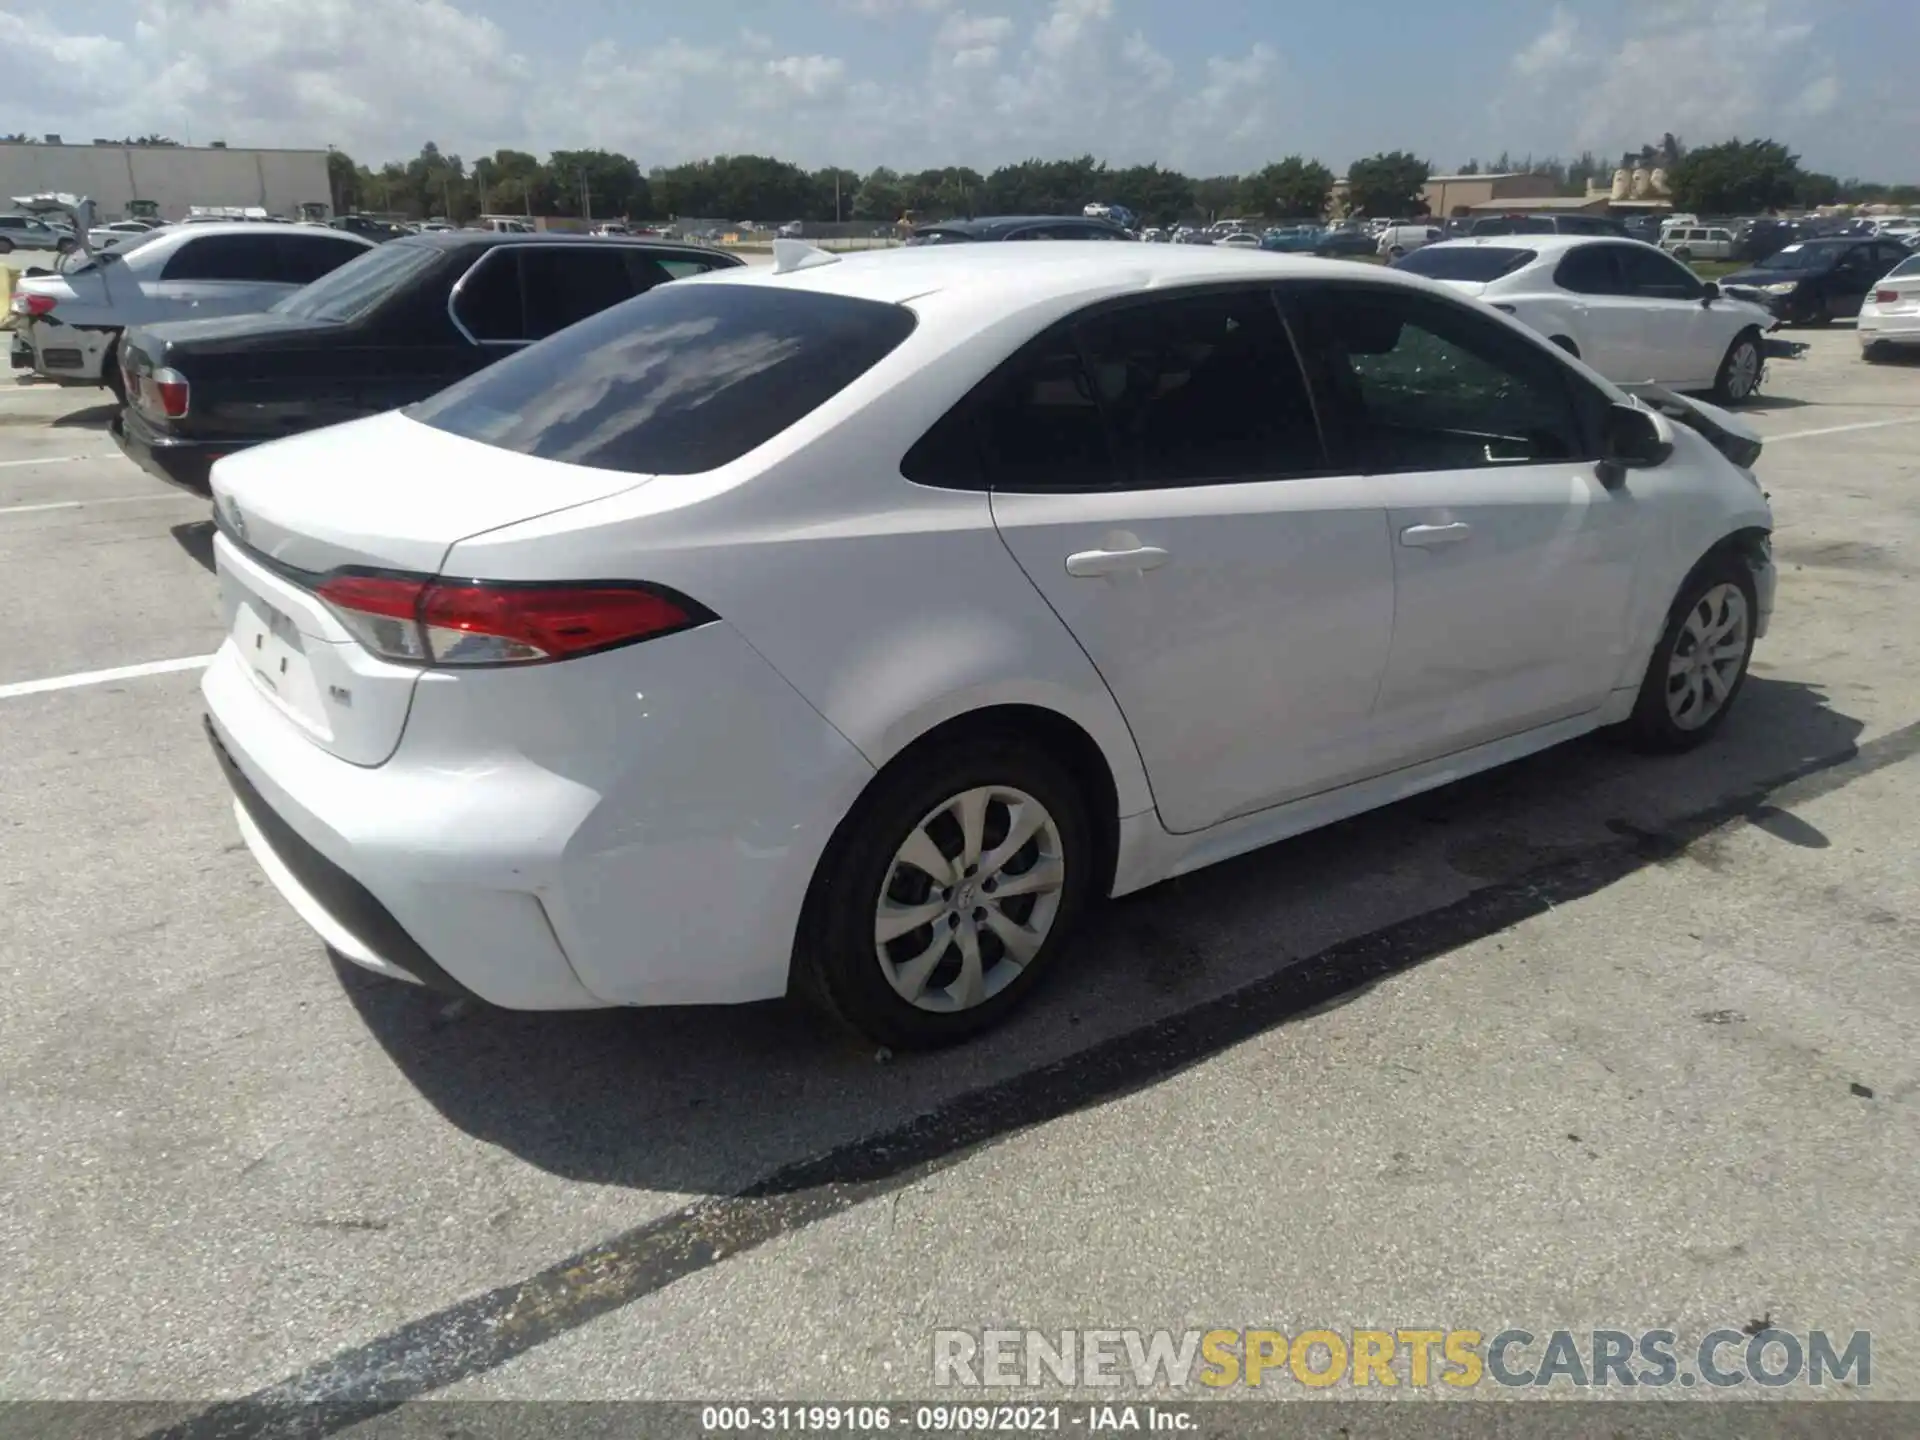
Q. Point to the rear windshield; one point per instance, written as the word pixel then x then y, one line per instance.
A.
pixel 362 283
pixel 682 379
pixel 1802 257
pixel 1470 262
pixel 1905 268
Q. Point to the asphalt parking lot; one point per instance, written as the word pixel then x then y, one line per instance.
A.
pixel 1591 1041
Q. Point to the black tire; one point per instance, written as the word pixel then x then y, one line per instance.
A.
pixel 6 245
pixel 1683 253
pixel 1566 344
pixel 110 372
pixel 1652 726
pixel 1396 253
pixel 1878 352
pixel 835 961
pixel 1726 384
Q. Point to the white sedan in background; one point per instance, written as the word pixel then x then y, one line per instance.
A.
pixel 854 623
pixel 1890 315
pixel 67 326
pixel 1629 310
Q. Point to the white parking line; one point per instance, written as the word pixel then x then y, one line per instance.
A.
pixel 49 460
pixel 83 504
pixel 102 677
pixel 1841 429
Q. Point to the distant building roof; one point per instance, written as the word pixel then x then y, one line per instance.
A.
pixel 1540 202
pixel 1484 175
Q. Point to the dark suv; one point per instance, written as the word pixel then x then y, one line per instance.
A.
pixel 1018 227
pixel 384 330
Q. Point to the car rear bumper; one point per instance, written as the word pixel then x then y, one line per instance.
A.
pixel 186 463
pixel 66 354
pixel 1879 328
pixel 636 827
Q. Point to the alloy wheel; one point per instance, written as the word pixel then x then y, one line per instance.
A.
pixel 1707 657
pixel 969 899
pixel 1743 370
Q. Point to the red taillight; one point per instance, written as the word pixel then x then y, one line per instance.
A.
pixel 1885 297
pixel 171 391
pixel 419 621
pixel 33 305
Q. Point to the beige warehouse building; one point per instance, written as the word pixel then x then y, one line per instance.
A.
pixel 173 177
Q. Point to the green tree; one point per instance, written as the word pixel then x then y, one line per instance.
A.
pixel 880 197
pixel 1216 195
pixel 1158 197
pixel 1389 184
pixel 1816 189
pixel 598 184
pixel 343 182
pixel 827 184
pixel 1738 177
pixel 1045 187
pixel 1294 188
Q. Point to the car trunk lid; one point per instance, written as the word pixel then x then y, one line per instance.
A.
pixel 384 494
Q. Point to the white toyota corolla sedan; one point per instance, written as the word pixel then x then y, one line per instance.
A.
pixel 1631 311
pixel 853 624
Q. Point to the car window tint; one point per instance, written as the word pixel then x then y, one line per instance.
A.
pixel 1653 275
pixel 225 257
pixel 487 300
pixel 1591 270
pixel 1420 384
pixel 1040 426
pixel 564 284
pixel 682 379
pixel 305 258
pixel 1479 263
pixel 362 283
pixel 1202 388
pixel 677 267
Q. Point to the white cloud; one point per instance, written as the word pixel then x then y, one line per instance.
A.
pixel 1704 69
pixel 377 78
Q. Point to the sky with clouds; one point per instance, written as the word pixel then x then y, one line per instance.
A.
pixel 1206 86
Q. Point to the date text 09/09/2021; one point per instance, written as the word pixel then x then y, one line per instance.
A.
pixel 946 1419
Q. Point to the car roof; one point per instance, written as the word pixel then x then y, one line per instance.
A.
pixel 1543 243
pixel 1064 270
pixel 489 239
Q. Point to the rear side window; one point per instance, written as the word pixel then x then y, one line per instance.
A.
pixel 1477 263
pixel 563 285
pixel 486 301
pixel 1655 275
pixel 305 258
pixel 226 257
pixel 682 379
pixel 1591 270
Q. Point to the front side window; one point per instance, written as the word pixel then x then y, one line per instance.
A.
pixel 1419 384
pixel 682 379
pixel 225 257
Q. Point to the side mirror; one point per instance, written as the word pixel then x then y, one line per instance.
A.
pixel 1630 439
pixel 1709 293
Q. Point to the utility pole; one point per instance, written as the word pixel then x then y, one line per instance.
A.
pixel 836 195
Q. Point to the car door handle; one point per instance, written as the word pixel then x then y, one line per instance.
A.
pixel 1085 563
pixel 1425 537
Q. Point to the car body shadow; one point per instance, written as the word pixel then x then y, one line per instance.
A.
pixel 196 538
pixel 720 1101
pixel 1771 402
pixel 94 417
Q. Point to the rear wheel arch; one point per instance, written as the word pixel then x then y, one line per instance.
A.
pixel 1060 737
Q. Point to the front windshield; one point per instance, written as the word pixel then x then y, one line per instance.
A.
pixel 1802 257
pixel 360 284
